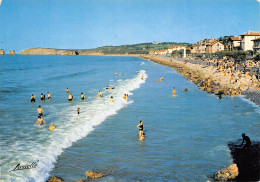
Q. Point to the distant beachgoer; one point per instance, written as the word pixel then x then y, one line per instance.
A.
pixel 110 87
pixel 40 111
pixel 67 90
pixel 40 121
pixel 119 74
pixel 115 73
pixel 142 77
pixel 78 110
pixel 145 68
pixel 140 126
pixel 49 96
pixel 42 96
pixel 70 97
pixel 142 137
pixel 52 127
pixel 161 79
pixel 111 99
pixel 209 80
pixel 124 97
pixel 100 94
pixel 247 140
pixel 82 97
pixel 33 98
pixel 173 91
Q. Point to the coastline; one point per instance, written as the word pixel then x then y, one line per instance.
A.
pixel 204 76
pixel 201 74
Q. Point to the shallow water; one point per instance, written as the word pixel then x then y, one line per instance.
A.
pixel 186 135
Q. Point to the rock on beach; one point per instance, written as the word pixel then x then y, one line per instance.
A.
pixel 227 174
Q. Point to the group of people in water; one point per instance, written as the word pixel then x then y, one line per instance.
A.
pixel 40 121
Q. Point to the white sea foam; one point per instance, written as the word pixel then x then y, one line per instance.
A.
pixel 74 127
pixel 257 108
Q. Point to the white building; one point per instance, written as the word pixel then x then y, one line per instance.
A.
pixel 246 42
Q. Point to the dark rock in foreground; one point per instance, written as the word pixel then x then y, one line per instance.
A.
pixel 247 161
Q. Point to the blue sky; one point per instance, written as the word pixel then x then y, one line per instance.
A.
pixel 94 23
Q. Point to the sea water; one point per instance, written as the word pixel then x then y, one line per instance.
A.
pixel 186 134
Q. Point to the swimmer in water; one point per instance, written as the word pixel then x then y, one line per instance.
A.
pixel 100 94
pixel 145 68
pixel 119 74
pixel 33 98
pixel 161 79
pixel 82 97
pixel 67 90
pixel 115 73
pixel 110 87
pixel 78 110
pixel 140 126
pixel 42 96
pixel 142 137
pixel 52 127
pixel 40 121
pixel 49 96
pixel 40 111
pixel 142 77
pixel 124 97
pixel 111 99
pixel 70 97
pixel 173 91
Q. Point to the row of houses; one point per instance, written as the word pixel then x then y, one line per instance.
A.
pixel 249 41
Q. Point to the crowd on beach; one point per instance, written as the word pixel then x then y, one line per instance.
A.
pixel 40 121
pixel 242 75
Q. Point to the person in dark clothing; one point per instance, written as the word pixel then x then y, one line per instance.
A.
pixel 247 140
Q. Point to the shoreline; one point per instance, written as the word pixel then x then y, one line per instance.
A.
pixel 208 79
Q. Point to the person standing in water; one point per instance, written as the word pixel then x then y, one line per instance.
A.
pixel 100 94
pixel 40 121
pixel 40 111
pixel 67 90
pixel 140 126
pixel 42 96
pixel 142 137
pixel 82 97
pixel 52 127
pixel 247 140
pixel 78 110
pixel 70 97
pixel 173 91
pixel 111 99
pixel 49 96
pixel 33 98
pixel 161 79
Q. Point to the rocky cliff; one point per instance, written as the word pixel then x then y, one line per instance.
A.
pixel 45 51
pixel 12 52
pixel 2 52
